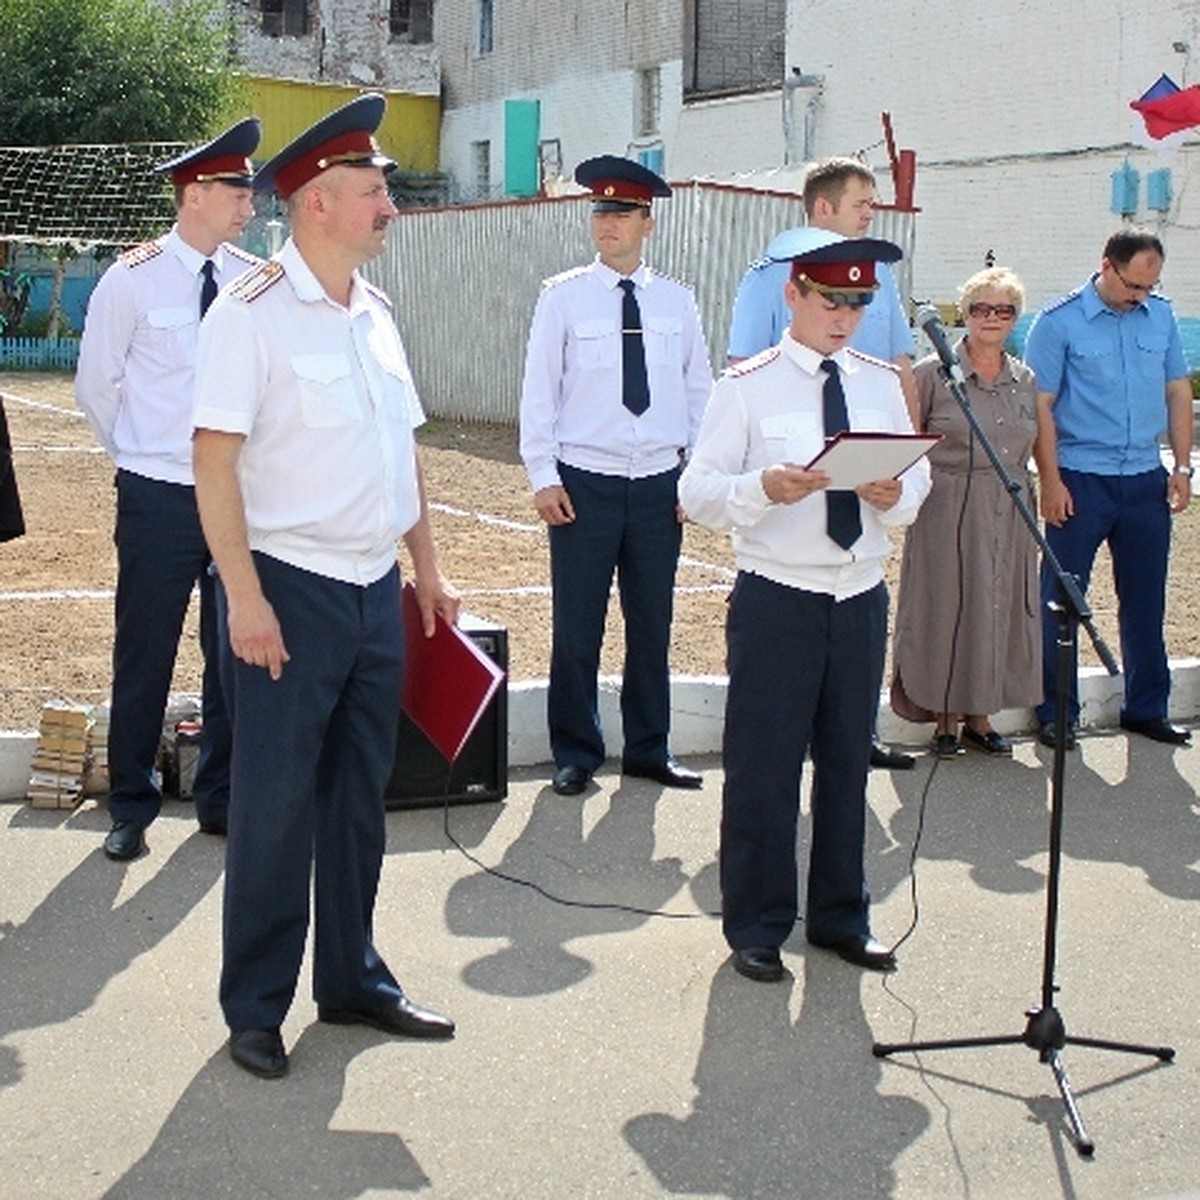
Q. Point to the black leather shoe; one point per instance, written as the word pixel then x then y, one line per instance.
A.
pixel 259 1051
pixel 124 841
pixel 760 963
pixel 669 773
pixel 403 1018
pixel 570 781
pixel 214 827
pixel 889 759
pixel 1046 736
pixel 862 951
pixel 990 742
pixel 1157 730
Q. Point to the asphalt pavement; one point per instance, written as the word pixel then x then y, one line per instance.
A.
pixel 605 1046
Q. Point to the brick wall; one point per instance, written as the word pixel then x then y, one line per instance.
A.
pixel 348 42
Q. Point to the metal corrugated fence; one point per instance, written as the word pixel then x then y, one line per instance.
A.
pixel 464 280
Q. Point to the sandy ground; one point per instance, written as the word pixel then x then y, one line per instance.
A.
pixel 56 582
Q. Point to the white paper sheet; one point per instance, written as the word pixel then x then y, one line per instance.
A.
pixel 851 459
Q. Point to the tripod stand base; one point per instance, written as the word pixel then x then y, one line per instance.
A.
pixel 1046 1033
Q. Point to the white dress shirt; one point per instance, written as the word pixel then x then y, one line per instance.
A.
pixel 325 399
pixel 571 409
pixel 136 370
pixel 769 410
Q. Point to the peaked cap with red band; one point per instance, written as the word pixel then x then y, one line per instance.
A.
pixel 619 184
pixel 226 159
pixel 342 138
pixel 830 262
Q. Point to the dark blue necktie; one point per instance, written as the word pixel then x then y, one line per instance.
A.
pixel 208 289
pixel 843 521
pixel 635 388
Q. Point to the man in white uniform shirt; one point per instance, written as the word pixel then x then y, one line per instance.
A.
pixel 616 379
pixel 307 477
pixel 135 384
pixel 839 197
pixel 808 614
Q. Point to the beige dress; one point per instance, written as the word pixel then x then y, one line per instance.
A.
pixel 969 575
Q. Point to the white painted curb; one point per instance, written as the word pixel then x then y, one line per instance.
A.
pixel 697 714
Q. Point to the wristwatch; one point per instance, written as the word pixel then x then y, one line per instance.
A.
pixel 1185 469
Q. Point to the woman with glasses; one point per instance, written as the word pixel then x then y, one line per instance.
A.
pixel 967 640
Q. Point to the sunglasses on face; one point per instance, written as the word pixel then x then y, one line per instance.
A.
pixel 847 299
pixel 1006 312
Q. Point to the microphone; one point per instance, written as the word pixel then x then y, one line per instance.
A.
pixel 929 320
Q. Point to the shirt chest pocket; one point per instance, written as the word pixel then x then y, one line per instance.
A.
pixel 663 337
pixel 173 330
pixel 328 399
pixel 1152 343
pixel 795 437
pixel 1095 361
pixel 597 344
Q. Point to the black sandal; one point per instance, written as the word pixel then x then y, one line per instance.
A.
pixel 946 745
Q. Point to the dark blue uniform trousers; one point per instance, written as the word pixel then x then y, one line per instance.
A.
pixel 161 555
pixel 802 672
pixel 1131 514
pixel 628 526
pixel 312 754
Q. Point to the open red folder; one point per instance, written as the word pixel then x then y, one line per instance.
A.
pixel 448 680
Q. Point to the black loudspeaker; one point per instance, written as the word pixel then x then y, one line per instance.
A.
pixel 421 776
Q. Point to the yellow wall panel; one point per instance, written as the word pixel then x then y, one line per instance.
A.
pixel 409 132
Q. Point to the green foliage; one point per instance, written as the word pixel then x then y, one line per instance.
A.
pixel 39 327
pixel 102 71
pixel 15 287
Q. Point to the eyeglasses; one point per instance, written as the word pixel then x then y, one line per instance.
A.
pixel 1143 289
pixel 1006 312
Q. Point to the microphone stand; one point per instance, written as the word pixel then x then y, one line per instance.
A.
pixel 1045 1030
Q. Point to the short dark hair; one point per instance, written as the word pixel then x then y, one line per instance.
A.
pixel 829 177
pixel 1133 239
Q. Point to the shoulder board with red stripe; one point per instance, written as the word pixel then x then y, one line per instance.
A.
pixel 868 358
pixel 668 278
pixel 256 281
pixel 136 255
pixel 251 260
pixel 761 359
pixel 573 273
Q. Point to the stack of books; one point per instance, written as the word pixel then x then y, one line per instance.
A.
pixel 96 779
pixel 61 759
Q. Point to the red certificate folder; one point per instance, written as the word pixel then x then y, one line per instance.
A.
pixel 448 680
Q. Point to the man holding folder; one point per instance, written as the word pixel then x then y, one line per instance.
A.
pixel 306 478
pixel 808 614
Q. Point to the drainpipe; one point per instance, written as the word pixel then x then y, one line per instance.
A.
pixel 815 85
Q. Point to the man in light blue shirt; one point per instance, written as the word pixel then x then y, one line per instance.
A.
pixel 839 196
pixel 1111 377
pixel 760 313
